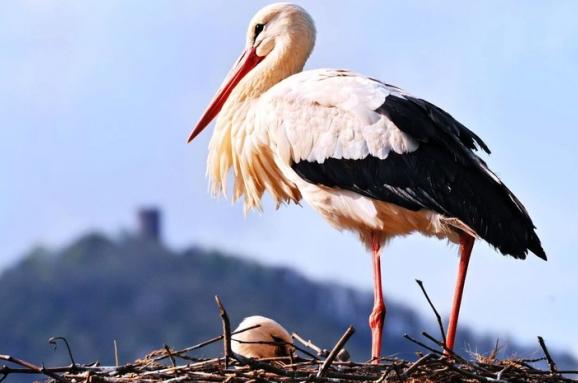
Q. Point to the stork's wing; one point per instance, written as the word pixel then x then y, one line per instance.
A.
pixel 343 130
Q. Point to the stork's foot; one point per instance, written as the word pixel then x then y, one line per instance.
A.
pixel 376 324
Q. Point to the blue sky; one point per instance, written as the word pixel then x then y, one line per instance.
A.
pixel 97 99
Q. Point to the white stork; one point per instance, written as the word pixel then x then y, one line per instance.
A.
pixel 368 156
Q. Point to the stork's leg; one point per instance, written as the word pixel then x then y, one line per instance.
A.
pixel 466 245
pixel 378 313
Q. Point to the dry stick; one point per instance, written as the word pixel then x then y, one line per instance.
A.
pixel 458 357
pixel 280 342
pixel 333 354
pixel 417 363
pixel 295 365
pixel 533 360
pixel 116 359
pixel 6 370
pixel 449 352
pixel 308 343
pixel 168 350
pixel 202 364
pixel 463 372
pixel 203 344
pixel 496 350
pixel 304 351
pixel 502 371
pixel 525 363
pixel 551 362
pixel 453 354
pixel 39 370
pixel 435 373
pixel 438 317
pixel 226 330
pixel 399 377
pixel 343 376
pixel 437 352
pixel 574 372
pixel 383 376
pixel 52 341
pixel 261 365
pixel 26 370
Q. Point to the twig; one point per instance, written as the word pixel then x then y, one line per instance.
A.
pixel 417 363
pixel 438 317
pixel 346 377
pixel 551 362
pixel 399 377
pixel 33 367
pixel 203 344
pixel 383 376
pixel 54 344
pixel 226 330
pixel 261 365
pixel 447 351
pixel 301 349
pixel 276 342
pixel 535 360
pixel 494 354
pixel 461 371
pixel 437 352
pixel 116 359
pixel 502 371
pixel 168 350
pixel 308 343
pixel 338 346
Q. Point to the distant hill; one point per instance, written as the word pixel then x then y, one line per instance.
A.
pixel 144 295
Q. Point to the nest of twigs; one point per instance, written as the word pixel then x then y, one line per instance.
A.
pixel 314 364
pixel 167 365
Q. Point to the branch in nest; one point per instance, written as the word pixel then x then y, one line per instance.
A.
pixel 551 362
pixel 436 313
pixel 333 354
pixel 226 330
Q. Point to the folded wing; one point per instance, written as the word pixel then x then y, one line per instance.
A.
pixel 342 130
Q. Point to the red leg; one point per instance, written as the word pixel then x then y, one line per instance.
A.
pixel 378 313
pixel 466 245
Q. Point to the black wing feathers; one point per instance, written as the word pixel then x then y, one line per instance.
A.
pixel 426 122
pixel 442 175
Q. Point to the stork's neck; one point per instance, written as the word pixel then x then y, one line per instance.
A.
pixel 233 144
pixel 276 67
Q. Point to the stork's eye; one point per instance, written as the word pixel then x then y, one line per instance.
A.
pixel 258 29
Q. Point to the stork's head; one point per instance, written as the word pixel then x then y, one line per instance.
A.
pixel 281 29
pixel 279 40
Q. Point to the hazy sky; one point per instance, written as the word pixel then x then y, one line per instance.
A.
pixel 97 99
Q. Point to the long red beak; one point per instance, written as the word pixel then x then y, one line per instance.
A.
pixel 244 64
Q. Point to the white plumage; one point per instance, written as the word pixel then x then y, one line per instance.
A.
pixel 329 113
pixel 268 340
